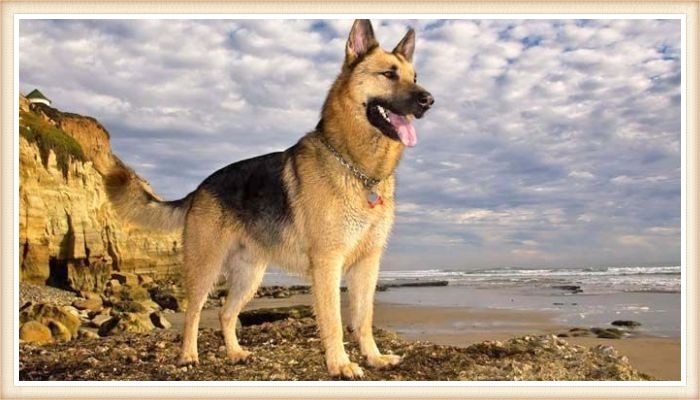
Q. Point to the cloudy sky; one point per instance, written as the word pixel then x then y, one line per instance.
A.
pixel 551 143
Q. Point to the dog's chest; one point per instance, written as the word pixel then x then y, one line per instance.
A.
pixel 355 223
pixel 361 220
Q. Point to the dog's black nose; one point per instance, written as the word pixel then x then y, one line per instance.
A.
pixel 425 100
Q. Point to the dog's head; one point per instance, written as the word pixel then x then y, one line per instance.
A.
pixel 383 83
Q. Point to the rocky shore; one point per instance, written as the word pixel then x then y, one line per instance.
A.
pixel 290 350
pixel 123 334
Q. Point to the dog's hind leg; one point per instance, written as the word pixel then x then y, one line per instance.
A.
pixel 244 275
pixel 361 279
pixel 204 255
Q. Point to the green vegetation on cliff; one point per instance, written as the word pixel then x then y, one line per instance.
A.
pixel 48 137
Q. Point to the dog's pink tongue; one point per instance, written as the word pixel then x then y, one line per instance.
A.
pixel 406 131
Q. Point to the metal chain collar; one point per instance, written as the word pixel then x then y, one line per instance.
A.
pixel 368 182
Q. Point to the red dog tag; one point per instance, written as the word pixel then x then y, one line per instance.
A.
pixel 374 199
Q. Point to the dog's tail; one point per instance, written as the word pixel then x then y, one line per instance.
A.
pixel 134 201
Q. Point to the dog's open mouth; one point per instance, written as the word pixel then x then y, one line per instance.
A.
pixel 391 123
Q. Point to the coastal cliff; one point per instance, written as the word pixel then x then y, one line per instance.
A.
pixel 68 233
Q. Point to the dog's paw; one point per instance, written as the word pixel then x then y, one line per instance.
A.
pixel 188 359
pixel 238 356
pixel 383 361
pixel 349 370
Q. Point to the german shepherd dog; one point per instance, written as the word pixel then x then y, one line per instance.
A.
pixel 322 208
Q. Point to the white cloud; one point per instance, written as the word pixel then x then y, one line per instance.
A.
pixel 581 175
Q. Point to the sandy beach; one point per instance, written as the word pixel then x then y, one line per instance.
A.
pixel 659 357
pixel 438 342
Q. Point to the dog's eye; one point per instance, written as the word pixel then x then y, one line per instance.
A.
pixel 390 75
pixel 415 78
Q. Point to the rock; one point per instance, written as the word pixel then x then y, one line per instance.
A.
pixel 59 331
pixel 90 276
pixel 91 295
pixel 219 292
pixel 134 293
pixel 569 288
pixel 576 332
pixel 84 333
pixel 114 287
pixel 263 315
pixel 126 322
pixel 274 291
pixel 34 332
pixel 626 323
pixel 145 280
pixel 602 333
pixel 608 333
pixel 126 278
pixel 72 310
pixel 130 307
pixel 139 323
pixel 150 305
pixel 92 304
pixel 107 326
pixel 411 283
pixel 26 305
pixel 66 316
pixel 99 320
pixel 104 311
pixel 84 315
pixel 165 299
pixel 159 320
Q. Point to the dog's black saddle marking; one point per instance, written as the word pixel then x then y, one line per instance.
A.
pixel 254 191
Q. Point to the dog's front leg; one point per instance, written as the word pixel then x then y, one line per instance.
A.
pixel 326 273
pixel 362 281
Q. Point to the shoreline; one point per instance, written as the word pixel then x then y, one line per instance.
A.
pixel 438 342
pixel 659 357
pixel 461 331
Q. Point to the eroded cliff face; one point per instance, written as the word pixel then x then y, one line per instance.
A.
pixel 92 136
pixel 68 232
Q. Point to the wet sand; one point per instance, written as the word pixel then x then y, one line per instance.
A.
pixel 659 357
pixel 460 326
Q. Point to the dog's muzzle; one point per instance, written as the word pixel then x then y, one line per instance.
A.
pixel 423 100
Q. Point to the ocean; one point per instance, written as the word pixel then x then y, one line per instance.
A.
pixel 598 280
pixel 587 297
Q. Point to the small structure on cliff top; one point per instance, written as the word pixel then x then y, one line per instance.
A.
pixel 37 97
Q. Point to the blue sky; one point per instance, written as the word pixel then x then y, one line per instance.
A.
pixel 552 142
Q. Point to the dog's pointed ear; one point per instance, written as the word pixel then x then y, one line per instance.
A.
pixel 360 41
pixel 407 45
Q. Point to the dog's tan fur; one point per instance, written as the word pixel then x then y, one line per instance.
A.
pixel 334 232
